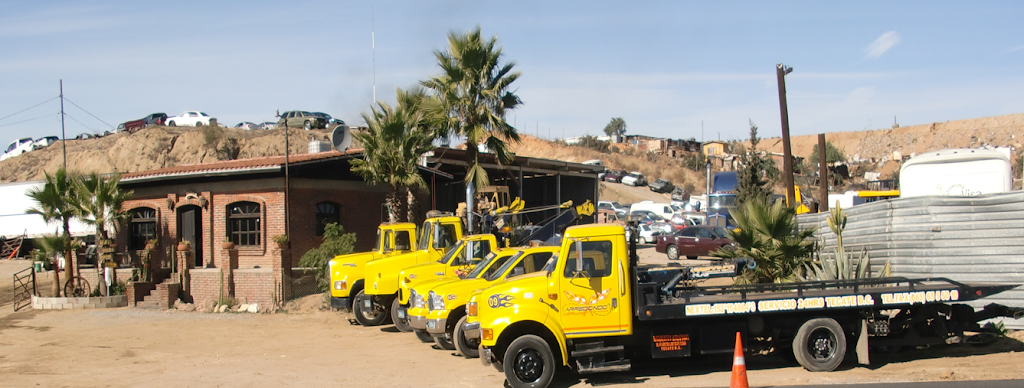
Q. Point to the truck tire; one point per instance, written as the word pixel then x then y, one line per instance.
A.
pixel 672 252
pixel 466 347
pixel 374 317
pixel 402 324
pixel 529 363
pixel 423 336
pixel 820 345
pixel 445 342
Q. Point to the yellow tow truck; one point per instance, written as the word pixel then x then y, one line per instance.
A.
pixel 459 260
pixel 442 307
pixel 347 271
pixel 594 309
pixel 373 305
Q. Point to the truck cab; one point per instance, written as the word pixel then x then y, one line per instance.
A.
pixel 373 305
pixel 458 261
pixel 445 312
pixel 347 271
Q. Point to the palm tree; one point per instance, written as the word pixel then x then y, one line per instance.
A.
pixel 99 202
pixel 474 92
pixel 768 233
pixel 393 142
pixel 55 201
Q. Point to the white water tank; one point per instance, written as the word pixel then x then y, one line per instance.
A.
pixel 316 146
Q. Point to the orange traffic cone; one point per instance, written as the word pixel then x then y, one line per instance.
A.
pixel 739 366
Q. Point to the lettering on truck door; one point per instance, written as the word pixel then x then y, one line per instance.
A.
pixel 590 301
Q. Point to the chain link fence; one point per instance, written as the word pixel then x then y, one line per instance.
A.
pixel 304 282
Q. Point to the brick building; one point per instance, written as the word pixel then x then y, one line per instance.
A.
pixel 244 202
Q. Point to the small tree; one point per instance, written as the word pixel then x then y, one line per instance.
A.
pixel 832 154
pixel 615 127
pixel 753 180
pixel 336 242
pixel 768 234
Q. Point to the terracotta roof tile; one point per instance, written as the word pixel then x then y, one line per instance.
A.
pixel 236 165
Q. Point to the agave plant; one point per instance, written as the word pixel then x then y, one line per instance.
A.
pixel 842 265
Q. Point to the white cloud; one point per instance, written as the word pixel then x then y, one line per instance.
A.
pixel 1012 49
pixel 885 42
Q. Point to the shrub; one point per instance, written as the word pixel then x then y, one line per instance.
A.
pixel 336 242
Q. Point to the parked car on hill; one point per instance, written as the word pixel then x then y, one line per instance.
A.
pixel 615 176
pixel 247 126
pixel 693 241
pixel 678 194
pixel 17 147
pixel 661 186
pixel 302 119
pixel 155 119
pixel 268 125
pixel 619 210
pixel 190 118
pixel 634 178
pixel 44 142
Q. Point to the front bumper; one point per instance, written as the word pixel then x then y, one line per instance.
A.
pixel 436 326
pixel 485 356
pixel 472 330
pixel 341 303
pixel 417 322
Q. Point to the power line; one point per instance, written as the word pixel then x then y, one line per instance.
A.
pixel 33 106
pixel 87 112
pixel 80 123
pixel 34 118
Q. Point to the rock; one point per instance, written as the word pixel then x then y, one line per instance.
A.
pixel 948 375
pixel 253 308
pixel 186 307
pixel 222 308
pixel 242 307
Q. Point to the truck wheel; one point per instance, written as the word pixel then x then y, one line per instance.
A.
pixel 374 316
pixel 307 125
pixel 445 342
pixel 402 324
pixel 172 124
pixel 673 252
pixel 467 348
pixel 423 336
pixel 529 363
pixel 820 345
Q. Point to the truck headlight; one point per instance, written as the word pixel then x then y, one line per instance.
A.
pixel 415 299
pixel 340 285
pixel 471 309
pixel 435 301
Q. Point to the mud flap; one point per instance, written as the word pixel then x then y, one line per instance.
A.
pixel 863 355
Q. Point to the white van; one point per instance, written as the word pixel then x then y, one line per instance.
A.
pixel 661 209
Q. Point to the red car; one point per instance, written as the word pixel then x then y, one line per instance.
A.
pixel 693 241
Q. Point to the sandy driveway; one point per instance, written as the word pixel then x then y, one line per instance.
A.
pixel 130 347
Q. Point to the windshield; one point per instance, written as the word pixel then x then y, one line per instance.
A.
pixel 478 271
pixel 720 201
pixel 380 241
pixel 457 249
pixel 496 274
pixel 424 241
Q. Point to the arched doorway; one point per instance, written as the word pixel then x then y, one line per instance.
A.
pixel 190 228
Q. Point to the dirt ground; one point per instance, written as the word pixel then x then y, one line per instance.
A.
pixel 307 346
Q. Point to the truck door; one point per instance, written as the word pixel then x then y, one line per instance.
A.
pixel 592 301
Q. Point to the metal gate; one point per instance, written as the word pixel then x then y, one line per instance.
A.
pixel 24 288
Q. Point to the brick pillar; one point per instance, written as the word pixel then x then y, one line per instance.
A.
pixel 282 274
pixel 228 269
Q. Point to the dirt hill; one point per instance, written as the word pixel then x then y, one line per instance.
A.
pixel 158 147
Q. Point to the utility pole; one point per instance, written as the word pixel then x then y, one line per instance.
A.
pixel 822 175
pixel 787 151
pixel 63 136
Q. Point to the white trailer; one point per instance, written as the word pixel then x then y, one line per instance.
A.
pixel 961 172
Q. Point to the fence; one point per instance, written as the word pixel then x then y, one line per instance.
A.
pixel 304 282
pixel 967 239
pixel 24 288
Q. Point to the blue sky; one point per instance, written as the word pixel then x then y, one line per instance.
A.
pixel 663 66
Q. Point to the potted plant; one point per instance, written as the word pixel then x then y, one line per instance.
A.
pixel 184 246
pixel 281 240
pixel 228 244
pixel 152 244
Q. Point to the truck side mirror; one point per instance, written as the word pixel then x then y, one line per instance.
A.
pixel 579 257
